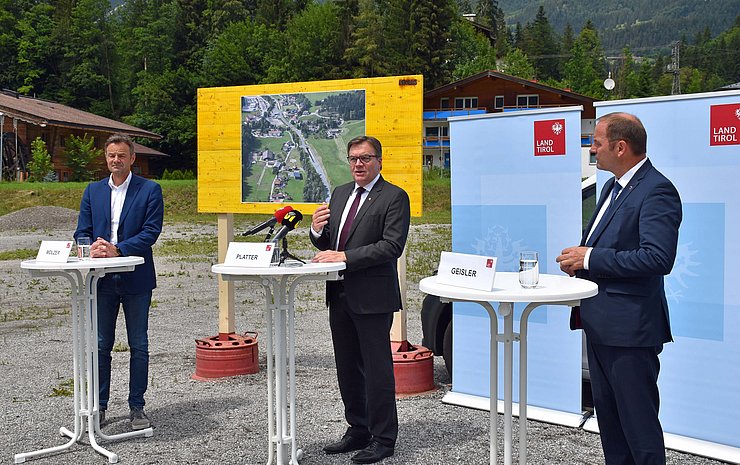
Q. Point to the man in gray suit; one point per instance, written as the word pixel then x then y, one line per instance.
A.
pixel 367 230
pixel 627 247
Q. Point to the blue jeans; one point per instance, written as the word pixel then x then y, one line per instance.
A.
pixel 136 312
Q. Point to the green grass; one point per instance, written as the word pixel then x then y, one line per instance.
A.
pixel 18 254
pixel 437 202
pixel 65 389
pixel 181 200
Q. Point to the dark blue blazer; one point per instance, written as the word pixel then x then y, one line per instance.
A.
pixel 634 246
pixel 138 228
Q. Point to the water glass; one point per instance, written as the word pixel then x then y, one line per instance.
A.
pixel 529 269
pixel 83 247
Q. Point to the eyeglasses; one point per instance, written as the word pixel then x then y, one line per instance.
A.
pixel 363 158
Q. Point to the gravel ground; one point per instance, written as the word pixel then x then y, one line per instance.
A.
pixel 225 420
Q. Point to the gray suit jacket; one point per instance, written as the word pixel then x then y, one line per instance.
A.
pixel 376 240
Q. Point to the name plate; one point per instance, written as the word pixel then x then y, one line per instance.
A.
pixel 54 251
pixel 253 254
pixel 466 270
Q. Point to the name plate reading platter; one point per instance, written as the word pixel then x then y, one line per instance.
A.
pixel 252 254
pixel 54 251
pixel 466 270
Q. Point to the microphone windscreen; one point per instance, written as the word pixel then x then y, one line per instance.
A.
pixel 281 212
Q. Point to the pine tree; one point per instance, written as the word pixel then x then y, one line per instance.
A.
pixel 365 52
pixel 431 21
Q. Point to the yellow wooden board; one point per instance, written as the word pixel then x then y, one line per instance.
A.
pixel 393 114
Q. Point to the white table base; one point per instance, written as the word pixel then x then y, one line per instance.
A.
pixel 281 382
pixel 85 364
pixel 508 337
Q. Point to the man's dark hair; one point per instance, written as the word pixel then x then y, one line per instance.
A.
pixel 370 140
pixel 626 127
pixel 118 139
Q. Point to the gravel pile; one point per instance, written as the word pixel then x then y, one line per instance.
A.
pixel 222 421
pixel 39 218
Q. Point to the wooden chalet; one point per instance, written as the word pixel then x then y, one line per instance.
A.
pixel 23 119
pixel 490 92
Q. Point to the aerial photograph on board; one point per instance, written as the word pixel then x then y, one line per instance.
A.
pixel 294 146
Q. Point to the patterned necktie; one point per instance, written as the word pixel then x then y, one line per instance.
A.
pixel 350 218
pixel 615 192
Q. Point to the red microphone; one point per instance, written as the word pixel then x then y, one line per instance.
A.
pixel 280 213
pixel 276 218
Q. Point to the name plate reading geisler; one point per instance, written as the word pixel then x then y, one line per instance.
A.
pixel 466 270
pixel 250 254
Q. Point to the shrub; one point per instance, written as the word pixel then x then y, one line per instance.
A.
pixel 40 167
pixel 81 152
pixel 177 174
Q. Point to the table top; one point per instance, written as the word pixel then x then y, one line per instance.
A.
pixel 308 268
pixel 506 288
pixel 74 263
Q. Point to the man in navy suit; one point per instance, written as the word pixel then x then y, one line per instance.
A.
pixel 627 248
pixel 124 213
pixel 365 225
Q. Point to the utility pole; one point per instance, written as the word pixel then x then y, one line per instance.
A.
pixel 675 68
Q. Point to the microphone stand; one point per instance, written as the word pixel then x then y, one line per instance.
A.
pixel 284 254
pixel 269 234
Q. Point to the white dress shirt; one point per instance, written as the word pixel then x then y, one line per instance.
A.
pixel 348 206
pixel 117 198
pixel 623 181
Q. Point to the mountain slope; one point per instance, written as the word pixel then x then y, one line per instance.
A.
pixel 645 25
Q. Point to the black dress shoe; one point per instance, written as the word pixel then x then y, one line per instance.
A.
pixel 346 444
pixel 375 452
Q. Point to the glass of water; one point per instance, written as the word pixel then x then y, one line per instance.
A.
pixel 83 247
pixel 529 269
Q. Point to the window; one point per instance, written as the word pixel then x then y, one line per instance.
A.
pixel 432 131
pixel 528 101
pixel 61 142
pixel 498 102
pixel 444 102
pixel 466 102
pixel 444 131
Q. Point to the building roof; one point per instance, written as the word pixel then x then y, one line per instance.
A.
pixel 148 151
pixel 43 113
pixel 491 74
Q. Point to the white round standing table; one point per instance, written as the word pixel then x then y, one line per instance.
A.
pixel 551 290
pixel 83 276
pixel 279 283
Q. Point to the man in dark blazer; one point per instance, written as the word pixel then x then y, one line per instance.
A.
pixel 365 225
pixel 123 214
pixel 627 248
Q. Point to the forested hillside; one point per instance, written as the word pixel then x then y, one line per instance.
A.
pixel 143 61
pixel 641 24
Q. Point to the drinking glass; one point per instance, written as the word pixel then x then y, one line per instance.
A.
pixel 529 269
pixel 83 247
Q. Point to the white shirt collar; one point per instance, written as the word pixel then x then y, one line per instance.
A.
pixel 627 177
pixel 123 185
pixel 369 185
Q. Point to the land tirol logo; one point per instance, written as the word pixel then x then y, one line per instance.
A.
pixel 549 137
pixel 724 122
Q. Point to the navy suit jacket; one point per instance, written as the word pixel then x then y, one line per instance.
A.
pixel 634 246
pixel 376 240
pixel 138 228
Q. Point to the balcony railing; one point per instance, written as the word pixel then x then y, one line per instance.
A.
pixel 444 113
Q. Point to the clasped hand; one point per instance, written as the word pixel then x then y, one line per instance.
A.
pixel 102 249
pixel 571 259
